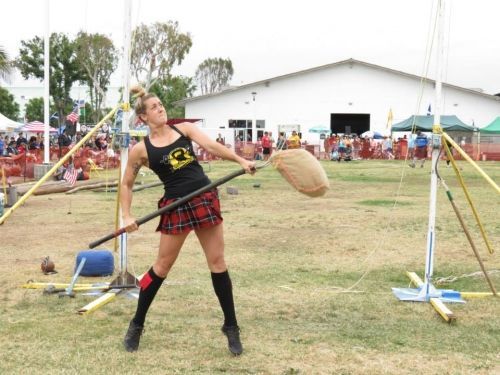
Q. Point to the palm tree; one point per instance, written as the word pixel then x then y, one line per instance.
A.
pixel 5 67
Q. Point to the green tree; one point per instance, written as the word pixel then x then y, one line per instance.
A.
pixel 156 49
pixel 98 58
pixel 34 111
pixel 170 90
pixel 64 68
pixel 8 106
pixel 214 74
pixel 5 65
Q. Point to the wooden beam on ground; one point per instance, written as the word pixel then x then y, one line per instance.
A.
pixel 61 285
pixel 442 310
pixel 56 187
pixel 438 305
pixel 101 301
pixel 414 278
pixel 93 186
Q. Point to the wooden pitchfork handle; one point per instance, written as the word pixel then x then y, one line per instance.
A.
pixel 169 207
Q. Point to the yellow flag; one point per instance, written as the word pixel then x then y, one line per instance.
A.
pixel 389 119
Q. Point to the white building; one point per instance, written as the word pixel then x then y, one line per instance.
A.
pixel 349 96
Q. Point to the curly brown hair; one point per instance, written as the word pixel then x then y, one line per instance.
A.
pixel 140 96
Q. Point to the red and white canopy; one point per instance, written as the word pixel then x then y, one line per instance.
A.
pixel 36 127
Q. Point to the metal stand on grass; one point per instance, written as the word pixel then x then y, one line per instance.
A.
pixel 426 291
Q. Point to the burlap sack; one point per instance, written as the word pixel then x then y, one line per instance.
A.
pixel 302 170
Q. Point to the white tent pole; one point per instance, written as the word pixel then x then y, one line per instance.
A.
pixel 46 84
pixel 125 120
pixel 436 144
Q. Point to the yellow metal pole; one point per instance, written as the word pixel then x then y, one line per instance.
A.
pixel 472 162
pixel 8 212
pixel 469 237
pixel 467 195
pixel 477 294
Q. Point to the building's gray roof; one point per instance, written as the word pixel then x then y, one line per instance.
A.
pixel 327 66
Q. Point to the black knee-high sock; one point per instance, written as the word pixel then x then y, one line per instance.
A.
pixel 224 291
pixel 149 284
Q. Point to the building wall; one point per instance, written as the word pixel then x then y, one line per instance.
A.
pixel 309 98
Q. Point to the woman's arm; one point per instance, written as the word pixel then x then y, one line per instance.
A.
pixel 214 147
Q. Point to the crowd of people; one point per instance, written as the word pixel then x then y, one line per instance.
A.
pixel 335 147
pixel 19 152
pixel 343 147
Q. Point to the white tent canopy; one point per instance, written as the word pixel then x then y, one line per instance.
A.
pixel 36 127
pixel 8 125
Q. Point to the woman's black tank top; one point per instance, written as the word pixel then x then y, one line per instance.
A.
pixel 176 166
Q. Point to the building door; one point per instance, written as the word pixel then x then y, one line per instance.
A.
pixel 349 123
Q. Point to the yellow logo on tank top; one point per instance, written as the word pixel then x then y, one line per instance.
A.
pixel 179 158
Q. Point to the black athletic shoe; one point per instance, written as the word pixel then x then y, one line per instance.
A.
pixel 133 336
pixel 233 339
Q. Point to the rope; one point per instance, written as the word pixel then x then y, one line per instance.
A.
pixel 451 279
pixel 423 81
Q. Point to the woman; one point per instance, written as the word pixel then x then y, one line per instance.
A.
pixel 169 153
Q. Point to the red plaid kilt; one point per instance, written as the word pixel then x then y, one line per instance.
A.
pixel 202 211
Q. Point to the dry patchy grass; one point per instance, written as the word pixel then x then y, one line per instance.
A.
pixel 291 258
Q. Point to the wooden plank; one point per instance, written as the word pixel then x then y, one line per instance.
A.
pixel 441 308
pixel 62 285
pixel 415 279
pixel 101 301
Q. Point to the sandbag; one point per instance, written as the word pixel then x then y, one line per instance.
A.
pixel 97 263
pixel 302 170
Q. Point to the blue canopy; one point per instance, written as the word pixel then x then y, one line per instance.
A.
pixel 425 123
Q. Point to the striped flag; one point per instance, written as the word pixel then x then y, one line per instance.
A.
pixel 73 116
pixel 71 175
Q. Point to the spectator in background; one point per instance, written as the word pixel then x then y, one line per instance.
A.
pixel 266 146
pixel 64 140
pixel 326 144
pixel 387 148
pixel 294 140
pixel 411 147
pixel 220 140
pixel 33 143
pixel 21 140
pixel 101 142
pixel 421 143
pixel 2 146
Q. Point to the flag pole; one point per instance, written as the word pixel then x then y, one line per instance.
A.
pixel 125 278
pixel 46 86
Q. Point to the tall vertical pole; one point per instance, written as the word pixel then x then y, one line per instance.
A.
pixel 46 86
pixel 428 290
pixel 125 121
pixel 254 121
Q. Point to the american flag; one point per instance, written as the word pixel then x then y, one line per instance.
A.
pixel 73 116
pixel 71 175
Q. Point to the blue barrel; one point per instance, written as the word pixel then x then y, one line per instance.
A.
pixel 97 263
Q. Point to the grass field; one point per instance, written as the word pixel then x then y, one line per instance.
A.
pixel 312 281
